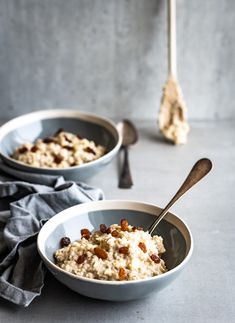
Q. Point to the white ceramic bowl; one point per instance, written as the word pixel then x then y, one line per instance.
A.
pixel 176 235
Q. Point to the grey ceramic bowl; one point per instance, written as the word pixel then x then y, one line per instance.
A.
pixel 177 240
pixel 29 127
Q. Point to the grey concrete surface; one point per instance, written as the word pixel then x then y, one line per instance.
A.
pixel 205 291
pixel 109 56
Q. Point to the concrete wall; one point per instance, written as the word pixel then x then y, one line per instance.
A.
pixel 109 56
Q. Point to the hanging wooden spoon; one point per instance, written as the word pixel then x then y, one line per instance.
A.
pixel 172 117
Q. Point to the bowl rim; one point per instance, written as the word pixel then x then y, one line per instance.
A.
pixel 31 117
pixel 107 205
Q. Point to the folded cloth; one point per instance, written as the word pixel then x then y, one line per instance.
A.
pixel 26 202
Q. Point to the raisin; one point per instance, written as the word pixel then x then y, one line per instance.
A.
pixel 134 229
pixel 155 258
pixel 79 137
pixel 59 131
pixel 64 242
pixel 142 246
pixel 122 274
pixel 67 139
pixel 90 150
pixel 115 233
pixel 100 253
pixel 68 147
pixel 124 225
pixel 108 230
pixel 34 149
pixel 103 228
pixel 81 259
pixel 48 140
pixel 58 159
pixel 22 150
pixel 124 250
pixel 85 234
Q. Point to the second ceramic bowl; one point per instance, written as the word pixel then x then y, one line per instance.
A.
pixel 29 127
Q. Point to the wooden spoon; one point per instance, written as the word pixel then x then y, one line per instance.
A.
pixel 199 170
pixel 172 116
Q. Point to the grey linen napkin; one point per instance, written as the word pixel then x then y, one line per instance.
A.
pixel 26 202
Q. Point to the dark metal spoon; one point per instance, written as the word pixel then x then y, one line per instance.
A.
pixel 199 170
pixel 129 137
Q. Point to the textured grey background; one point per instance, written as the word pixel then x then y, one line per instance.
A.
pixel 109 56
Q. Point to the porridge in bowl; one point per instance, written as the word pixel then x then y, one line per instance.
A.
pixel 63 149
pixel 118 252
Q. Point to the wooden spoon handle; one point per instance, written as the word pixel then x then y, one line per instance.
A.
pixel 172 69
pixel 199 170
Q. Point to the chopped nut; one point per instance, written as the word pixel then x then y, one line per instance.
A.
pixel 142 246
pixel 124 250
pixel 100 253
pixel 140 228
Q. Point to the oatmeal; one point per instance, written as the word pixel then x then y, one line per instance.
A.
pixel 119 252
pixel 63 149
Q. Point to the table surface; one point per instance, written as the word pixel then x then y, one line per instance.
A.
pixel 205 291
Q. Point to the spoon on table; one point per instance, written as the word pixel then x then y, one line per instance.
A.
pixel 199 170
pixel 129 137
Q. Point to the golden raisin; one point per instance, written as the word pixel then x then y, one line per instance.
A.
pixel 155 258
pixel 81 259
pixel 124 250
pixel 100 253
pixel 122 274
pixel 115 233
pixel 85 234
pixel 142 246
pixel 124 225
pixel 103 228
